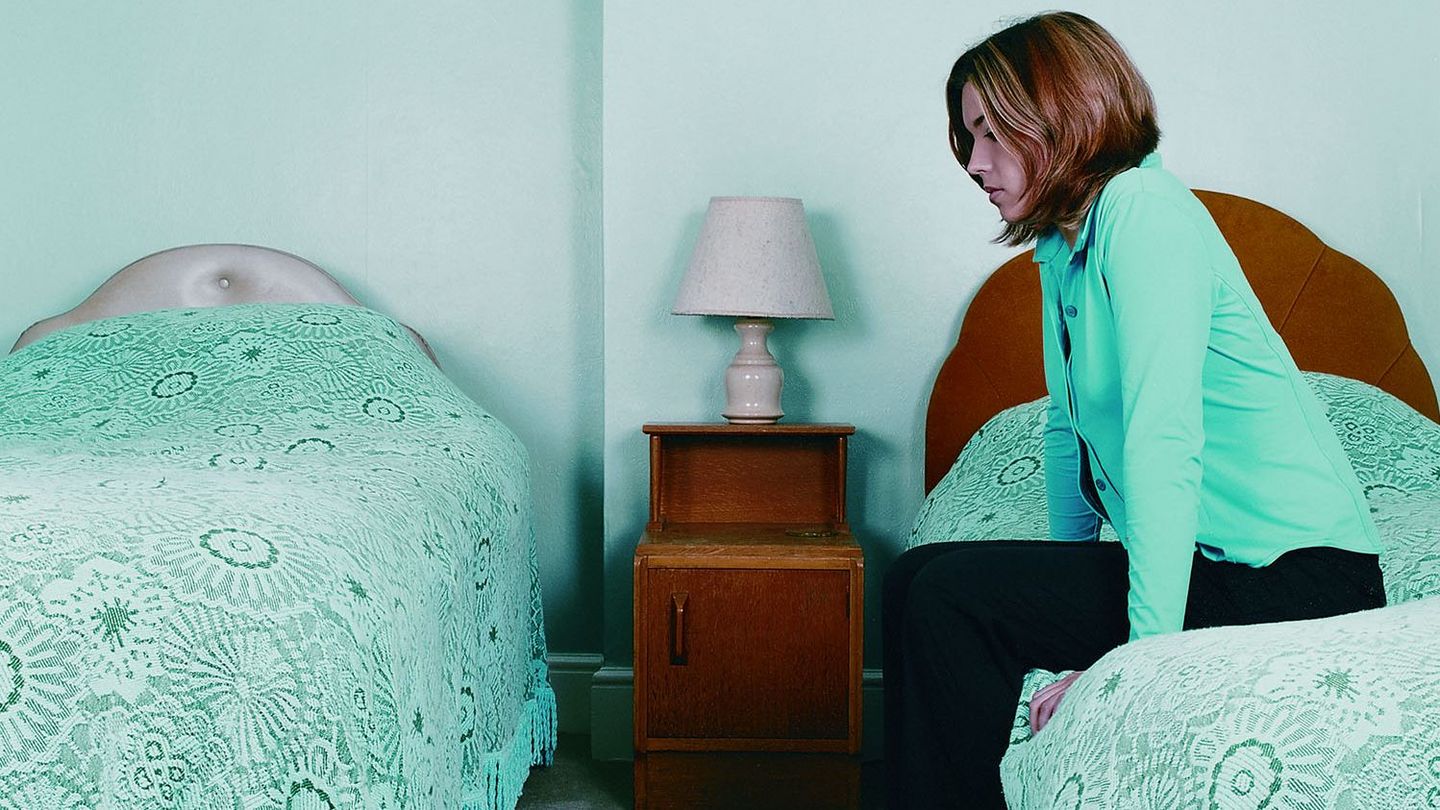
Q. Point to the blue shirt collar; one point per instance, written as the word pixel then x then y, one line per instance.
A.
pixel 1049 244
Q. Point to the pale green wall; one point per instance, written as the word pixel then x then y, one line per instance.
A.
pixel 442 159
pixel 1326 110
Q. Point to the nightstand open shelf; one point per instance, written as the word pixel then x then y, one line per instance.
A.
pixel 748 593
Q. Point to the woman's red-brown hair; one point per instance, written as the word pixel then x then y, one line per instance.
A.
pixel 1061 95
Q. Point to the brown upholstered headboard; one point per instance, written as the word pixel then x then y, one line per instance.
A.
pixel 1334 314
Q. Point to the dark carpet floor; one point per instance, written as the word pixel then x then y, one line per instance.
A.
pixel 577 782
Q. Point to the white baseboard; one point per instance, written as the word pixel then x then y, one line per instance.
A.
pixel 612 717
pixel 570 676
pixel 872 714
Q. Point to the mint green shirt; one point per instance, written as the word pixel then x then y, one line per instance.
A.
pixel 1176 409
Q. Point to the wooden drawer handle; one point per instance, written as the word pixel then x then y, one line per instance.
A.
pixel 677 627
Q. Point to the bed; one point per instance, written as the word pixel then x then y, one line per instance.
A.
pixel 257 551
pixel 1339 712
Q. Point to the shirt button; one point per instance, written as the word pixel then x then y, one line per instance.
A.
pixel 1100 485
pixel 1070 311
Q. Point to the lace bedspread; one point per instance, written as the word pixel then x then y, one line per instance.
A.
pixel 1333 713
pixel 261 556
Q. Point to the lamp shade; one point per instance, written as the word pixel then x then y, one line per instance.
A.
pixel 754 258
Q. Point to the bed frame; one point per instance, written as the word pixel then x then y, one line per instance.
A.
pixel 205 276
pixel 1334 314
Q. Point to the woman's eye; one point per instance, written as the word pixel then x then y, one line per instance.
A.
pixel 989 136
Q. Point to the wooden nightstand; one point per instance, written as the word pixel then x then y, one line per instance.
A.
pixel 748 592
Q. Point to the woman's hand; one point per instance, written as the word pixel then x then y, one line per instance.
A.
pixel 1047 700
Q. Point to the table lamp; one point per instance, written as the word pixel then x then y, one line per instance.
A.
pixel 754 260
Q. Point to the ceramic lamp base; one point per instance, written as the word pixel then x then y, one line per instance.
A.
pixel 753 380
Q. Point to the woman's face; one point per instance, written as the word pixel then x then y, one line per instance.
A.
pixel 996 167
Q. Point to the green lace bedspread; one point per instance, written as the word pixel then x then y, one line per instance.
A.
pixel 261 556
pixel 1333 713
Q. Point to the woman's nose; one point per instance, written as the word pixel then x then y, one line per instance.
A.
pixel 979 160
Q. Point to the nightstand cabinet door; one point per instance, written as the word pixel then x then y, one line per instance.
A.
pixel 746 654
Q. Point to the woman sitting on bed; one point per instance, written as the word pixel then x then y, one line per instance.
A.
pixel 1176 413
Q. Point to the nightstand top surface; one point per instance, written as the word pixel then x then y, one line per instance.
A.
pixel 726 429
pixel 729 538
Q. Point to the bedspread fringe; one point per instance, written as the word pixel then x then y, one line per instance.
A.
pixel 504 772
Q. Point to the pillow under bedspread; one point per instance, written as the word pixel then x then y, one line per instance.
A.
pixel 996 489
